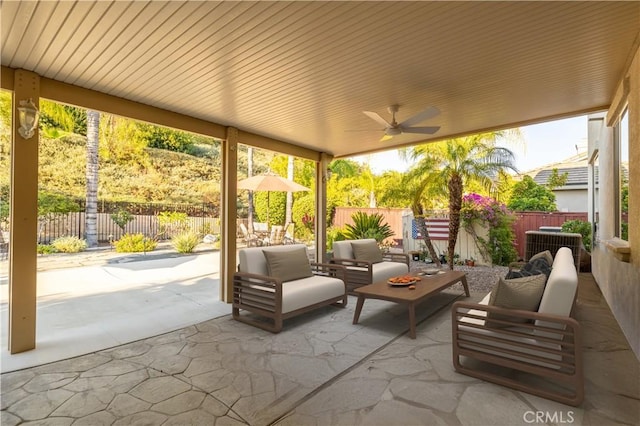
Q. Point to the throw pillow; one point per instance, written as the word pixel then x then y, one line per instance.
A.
pixel 366 250
pixel 288 265
pixel 519 293
pixel 533 267
pixel 545 255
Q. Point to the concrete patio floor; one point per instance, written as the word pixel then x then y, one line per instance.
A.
pixel 319 370
pixel 96 300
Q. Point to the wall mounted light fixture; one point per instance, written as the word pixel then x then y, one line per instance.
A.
pixel 28 116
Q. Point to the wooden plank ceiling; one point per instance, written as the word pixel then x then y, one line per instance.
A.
pixel 303 72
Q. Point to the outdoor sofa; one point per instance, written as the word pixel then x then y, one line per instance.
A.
pixel 278 282
pixel 365 263
pixel 545 342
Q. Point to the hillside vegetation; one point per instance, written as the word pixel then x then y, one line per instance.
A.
pixel 163 176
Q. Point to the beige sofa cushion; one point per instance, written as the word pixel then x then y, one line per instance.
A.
pixel 544 255
pixel 305 292
pixel 253 260
pixel 288 265
pixel 560 291
pixel 384 270
pixel 517 293
pixel 366 250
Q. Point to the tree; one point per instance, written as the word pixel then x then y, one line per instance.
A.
pixel 52 206
pixel 556 179
pixel 391 191
pixel 123 141
pixel 419 196
pixel 91 205
pixel 342 168
pixel 169 139
pixel 288 217
pixel 446 167
pixel 121 218
pixel 250 195
pixel 527 195
pixel 57 120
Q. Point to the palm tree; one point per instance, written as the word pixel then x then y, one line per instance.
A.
pixel 446 166
pixel 416 185
pixel 250 196
pixel 288 215
pixel 91 208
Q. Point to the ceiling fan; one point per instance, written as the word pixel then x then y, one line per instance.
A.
pixel 394 128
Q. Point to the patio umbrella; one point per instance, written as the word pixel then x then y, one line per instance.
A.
pixel 270 182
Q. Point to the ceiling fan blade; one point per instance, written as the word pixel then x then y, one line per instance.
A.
pixel 423 130
pixel 377 118
pixel 420 117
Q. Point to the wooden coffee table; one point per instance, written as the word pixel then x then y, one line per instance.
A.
pixel 425 288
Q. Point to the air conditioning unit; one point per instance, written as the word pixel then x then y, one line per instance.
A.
pixel 537 241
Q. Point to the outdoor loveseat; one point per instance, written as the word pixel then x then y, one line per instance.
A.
pixel 278 282
pixel 544 342
pixel 365 263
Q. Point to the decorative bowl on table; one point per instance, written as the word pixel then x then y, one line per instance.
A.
pixel 402 280
pixel 431 271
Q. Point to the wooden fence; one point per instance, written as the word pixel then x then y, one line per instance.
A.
pixel 202 218
pixel 525 221
pixel 391 216
pixel 533 221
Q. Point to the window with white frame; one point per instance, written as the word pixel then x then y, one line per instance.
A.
pixel 593 171
pixel 622 163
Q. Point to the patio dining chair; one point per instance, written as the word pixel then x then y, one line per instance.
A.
pixel 276 236
pixel 4 247
pixel 250 239
pixel 289 232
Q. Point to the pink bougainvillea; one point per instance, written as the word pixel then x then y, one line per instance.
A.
pixel 485 209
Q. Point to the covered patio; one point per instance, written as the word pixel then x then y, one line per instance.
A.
pixel 320 370
pixel 293 77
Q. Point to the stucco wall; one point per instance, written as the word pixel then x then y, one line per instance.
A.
pixel 571 200
pixel 620 281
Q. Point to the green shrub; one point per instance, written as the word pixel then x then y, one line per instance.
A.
pixel 46 249
pixel 121 218
pixel 69 244
pixel 134 243
pixel 334 234
pixel 528 195
pixel 494 216
pixel 579 227
pixel 368 226
pixel 207 228
pixel 185 242
pixel 172 223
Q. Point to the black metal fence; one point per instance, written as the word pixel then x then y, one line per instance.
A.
pixel 202 218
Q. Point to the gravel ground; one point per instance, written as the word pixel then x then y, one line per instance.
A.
pixel 481 279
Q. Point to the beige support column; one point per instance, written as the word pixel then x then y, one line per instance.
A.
pixel 229 192
pixel 24 221
pixel 322 178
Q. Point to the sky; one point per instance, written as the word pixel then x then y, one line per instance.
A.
pixel 542 144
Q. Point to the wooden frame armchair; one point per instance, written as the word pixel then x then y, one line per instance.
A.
pixel 546 343
pixel 549 346
pixel 276 300
pixel 364 272
pixel 360 272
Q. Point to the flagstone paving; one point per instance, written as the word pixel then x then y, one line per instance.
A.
pixel 319 370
